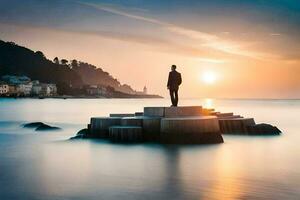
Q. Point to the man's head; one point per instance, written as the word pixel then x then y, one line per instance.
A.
pixel 173 67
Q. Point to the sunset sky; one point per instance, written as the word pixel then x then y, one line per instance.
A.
pixel 223 48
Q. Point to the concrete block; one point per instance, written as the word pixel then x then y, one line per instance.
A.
pixel 125 134
pixel 224 114
pixel 191 130
pixel 235 126
pixel 132 121
pixel 183 111
pixel 207 111
pixel 100 125
pixel 231 117
pixel 138 114
pixel 154 111
pixel 214 113
pixel 121 115
pixel 151 128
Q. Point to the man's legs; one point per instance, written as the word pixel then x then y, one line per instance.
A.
pixel 176 98
pixel 172 97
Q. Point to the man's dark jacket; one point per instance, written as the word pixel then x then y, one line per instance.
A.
pixel 174 80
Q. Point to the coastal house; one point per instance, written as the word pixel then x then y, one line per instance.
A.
pixel 36 88
pixel 53 89
pixel 96 90
pixel 12 90
pixel 24 88
pixel 48 89
pixel 4 88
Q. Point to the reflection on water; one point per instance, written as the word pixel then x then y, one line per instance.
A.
pixel 208 103
pixel 48 166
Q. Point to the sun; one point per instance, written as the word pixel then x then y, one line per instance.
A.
pixel 209 77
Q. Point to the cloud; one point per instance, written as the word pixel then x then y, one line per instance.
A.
pixel 160 44
pixel 210 40
pixel 171 27
pixel 204 40
pixel 163 45
pixel 275 34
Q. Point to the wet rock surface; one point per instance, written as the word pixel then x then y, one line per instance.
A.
pixel 82 134
pixel 40 126
pixel 33 125
pixel 263 129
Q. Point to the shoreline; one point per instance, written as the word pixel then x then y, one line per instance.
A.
pixel 86 97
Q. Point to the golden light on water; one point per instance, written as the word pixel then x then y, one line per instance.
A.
pixel 208 103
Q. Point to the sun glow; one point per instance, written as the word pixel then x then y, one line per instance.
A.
pixel 209 77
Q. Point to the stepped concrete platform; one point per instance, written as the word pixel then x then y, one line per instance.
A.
pixel 132 121
pixel 236 126
pixel 150 125
pixel 191 130
pixel 176 125
pixel 151 128
pixel 121 115
pixel 224 114
pixel 100 125
pixel 231 117
pixel 126 134
pixel 207 111
pixel 154 111
pixel 182 111
pixel 138 114
pixel 214 113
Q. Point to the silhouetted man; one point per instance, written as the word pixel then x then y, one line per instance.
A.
pixel 174 81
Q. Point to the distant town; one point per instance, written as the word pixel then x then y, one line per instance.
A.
pixel 23 86
pixel 27 73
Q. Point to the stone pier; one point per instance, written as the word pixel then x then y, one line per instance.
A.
pixel 191 130
pixel 178 125
pixel 175 125
pixel 100 125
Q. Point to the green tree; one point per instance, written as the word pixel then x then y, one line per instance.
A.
pixel 74 63
pixel 40 54
pixel 64 61
pixel 56 60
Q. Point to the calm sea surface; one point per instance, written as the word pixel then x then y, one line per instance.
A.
pixel 48 166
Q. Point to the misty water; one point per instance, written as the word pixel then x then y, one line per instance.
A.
pixel 46 165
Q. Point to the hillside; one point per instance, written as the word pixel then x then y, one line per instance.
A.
pixel 18 60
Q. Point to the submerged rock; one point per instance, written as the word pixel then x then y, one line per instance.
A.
pixel 45 127
pixel 40 126
pixel 33 125
pixel 263 129
pixel 82 134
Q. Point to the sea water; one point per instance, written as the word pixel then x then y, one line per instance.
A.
pixel 46 165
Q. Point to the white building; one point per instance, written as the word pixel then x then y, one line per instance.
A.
pixel 48 89
pixel 145 90
pixel 4 88
pixel 96 90
pixel 36 89
pixel 53 89
pixel 24 89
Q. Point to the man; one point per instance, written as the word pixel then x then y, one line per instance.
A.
pixel 174 81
